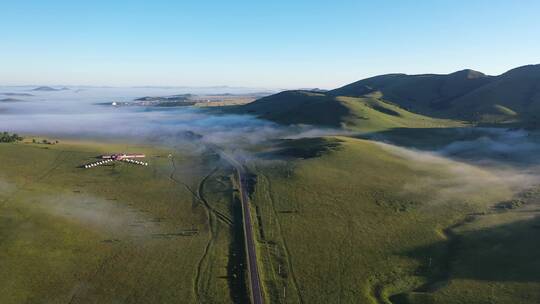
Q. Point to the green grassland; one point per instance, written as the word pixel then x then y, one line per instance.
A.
pixel 360 222
pixel 119 233
pixel 494 258
pixel 338 220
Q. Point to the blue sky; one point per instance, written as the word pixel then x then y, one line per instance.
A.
pixel 274 44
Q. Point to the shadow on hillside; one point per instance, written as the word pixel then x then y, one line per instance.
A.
pixel 504 253
pixel 299 107
pixel 423 138
pixel 302 148
pixel 491 145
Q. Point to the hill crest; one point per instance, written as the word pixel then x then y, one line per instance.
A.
pixel 465 95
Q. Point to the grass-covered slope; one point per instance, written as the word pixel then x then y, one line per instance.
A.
pixel 512 95
pixel 112 234
pixel 420 93
pixel 366 113
pixel 299 107
pixel 467 94
pixel 360 222
pixel 400 100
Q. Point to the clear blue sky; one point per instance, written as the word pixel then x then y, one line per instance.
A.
pixel 277 44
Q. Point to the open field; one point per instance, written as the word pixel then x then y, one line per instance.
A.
pixel 119 233
pixel 362 222
pixel 336 220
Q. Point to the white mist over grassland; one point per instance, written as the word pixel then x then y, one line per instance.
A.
pixel 6 187
pixel 82 113
pixel 495 162
pixel 79 113
pixel 98 213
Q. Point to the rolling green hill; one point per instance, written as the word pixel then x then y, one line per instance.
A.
pixel 421 93
pixel 400 100
pixel 515 93
pixel 304 107
pixel 366 113
pixel 467 94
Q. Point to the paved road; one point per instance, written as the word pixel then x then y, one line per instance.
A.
pixel 254 278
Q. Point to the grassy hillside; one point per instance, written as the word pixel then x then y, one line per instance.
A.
pixel 367 113
pixel 467 94
pixel 514 94
pixel 389 101
pixel 299 107
pixel 119 233
pixel 493 258
pixel 359 222
pixel 420 93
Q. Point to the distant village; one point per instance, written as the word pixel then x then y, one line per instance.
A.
pixel 190 100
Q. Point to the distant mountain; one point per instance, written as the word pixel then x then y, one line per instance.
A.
pixel 181 97
pixel 465 95
pixel 17 94
pixel 49 89
pixel 45 89
pixel 10 100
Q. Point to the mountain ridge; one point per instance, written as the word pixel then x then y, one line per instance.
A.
pixel 464 95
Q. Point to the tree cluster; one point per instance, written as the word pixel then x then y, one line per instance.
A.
pixel 5 137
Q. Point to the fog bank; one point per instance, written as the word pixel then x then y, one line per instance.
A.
pixel 81 113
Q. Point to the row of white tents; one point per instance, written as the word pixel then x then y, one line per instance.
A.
pixel 103 162
pixel 99 163
pixel 132 161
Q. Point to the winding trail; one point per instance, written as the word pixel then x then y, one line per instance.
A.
pixel 210 221
pixel 224 218
pixel 211 214
pixel 253 269
pixel 198 195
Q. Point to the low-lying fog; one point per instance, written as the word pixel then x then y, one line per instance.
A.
pixel 82 113
pixel 483 162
